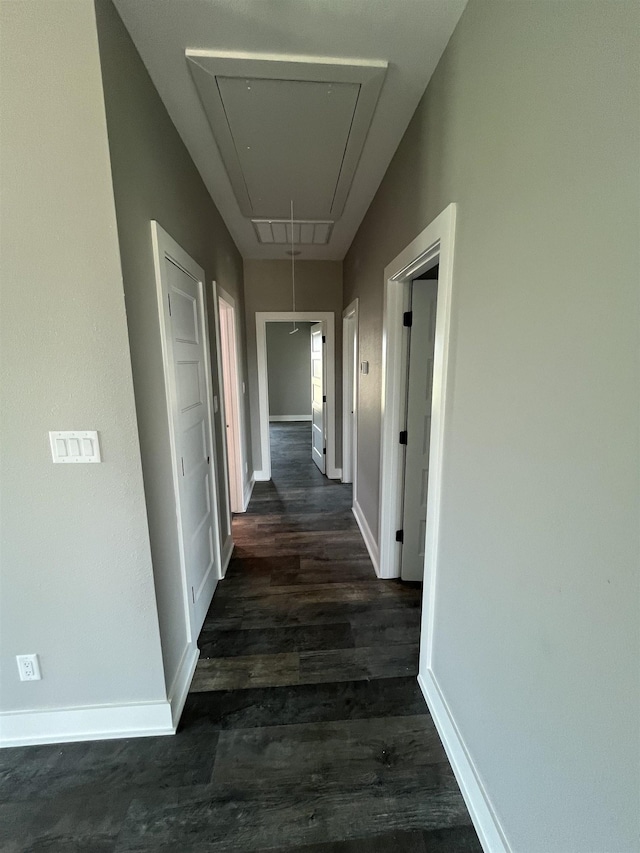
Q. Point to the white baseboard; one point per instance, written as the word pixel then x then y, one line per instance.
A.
pixel 334 473
pixel 248 491
pixel 98 722
pixel 261 476
pixel 182 682
pixel 484 819
pixel 367 535
pixel 286 418
pixel 227 551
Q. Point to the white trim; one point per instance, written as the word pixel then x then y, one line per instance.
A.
pixel 236 488
pixel 484 818
pixel 350 376
pixel 164 246
pixel 327 318
pixel 99 722
pixel 287 418
pixel 248 491
pixel 206 65
pixel 182 682
pixel 367 535
pixel 227 551
pixel 433 245
pixel 221 402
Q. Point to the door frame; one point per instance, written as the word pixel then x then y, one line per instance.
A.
pixel 350 389
pixel 327 318
pixel 165 246
pixel 238 496
pixel 434 245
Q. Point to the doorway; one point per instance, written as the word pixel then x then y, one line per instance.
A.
pixel 432 247
pixel 420 321
pixel 232 409
pixel 295 356
pixel 324 406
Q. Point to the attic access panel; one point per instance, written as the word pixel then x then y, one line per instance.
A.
pixel 288 127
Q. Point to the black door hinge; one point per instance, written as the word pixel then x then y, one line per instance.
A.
pixel 400 536
pixel 324 451
pixel 407 319
pixel 169 299
pixel 324 339
pixel 403 437
pixel 324 398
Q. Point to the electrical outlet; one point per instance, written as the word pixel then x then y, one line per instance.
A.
pixel 28 667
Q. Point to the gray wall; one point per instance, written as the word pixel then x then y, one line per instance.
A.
pixel 530 124
pixel 77 583
pixel 154 178
pixel 289 369
pixel 267 287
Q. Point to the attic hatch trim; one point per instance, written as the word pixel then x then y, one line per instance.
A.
pixel 207 66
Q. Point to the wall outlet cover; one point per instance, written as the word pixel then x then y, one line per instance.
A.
pixel 28 667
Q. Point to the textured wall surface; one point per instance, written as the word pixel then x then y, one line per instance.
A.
pixel 289 369
pixel 268 288
pixel 530 124
pixel 77 583
pixel 154 178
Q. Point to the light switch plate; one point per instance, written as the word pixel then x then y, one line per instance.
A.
pixel 364 367
pixel 76 446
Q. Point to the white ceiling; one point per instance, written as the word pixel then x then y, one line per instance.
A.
pixel 409 35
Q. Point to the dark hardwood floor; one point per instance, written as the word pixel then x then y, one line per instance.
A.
pixel 304 731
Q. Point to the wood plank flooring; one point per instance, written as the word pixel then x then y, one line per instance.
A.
pixel 304 731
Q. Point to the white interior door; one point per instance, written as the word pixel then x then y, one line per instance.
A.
pixel 420 389
pixel 231 403
pixel 318 399
pixel 188 380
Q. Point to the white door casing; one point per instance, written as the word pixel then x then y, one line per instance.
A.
pixel 231 397
pixel 434 245
pixel 327 318
pixel 418 428
pixel 318 399
pixel 187 370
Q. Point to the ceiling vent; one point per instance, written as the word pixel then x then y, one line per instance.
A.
pixel 305 232
pixel 288 127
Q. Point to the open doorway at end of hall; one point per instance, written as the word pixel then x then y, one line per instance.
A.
pixel 296 355
pixel 296 394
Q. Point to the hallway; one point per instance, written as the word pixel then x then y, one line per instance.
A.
pixel 301 603
pixel 308 670
pixel 305 730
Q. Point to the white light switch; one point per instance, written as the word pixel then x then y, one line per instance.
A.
pixel 70 447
